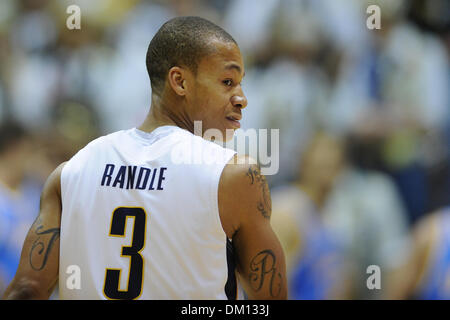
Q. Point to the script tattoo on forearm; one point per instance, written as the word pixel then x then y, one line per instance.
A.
pixel 263 269
pixel 41 248
pixel 264 205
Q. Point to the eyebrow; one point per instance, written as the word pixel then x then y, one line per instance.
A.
pixel 234 66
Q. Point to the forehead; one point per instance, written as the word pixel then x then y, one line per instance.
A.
pixel 224 56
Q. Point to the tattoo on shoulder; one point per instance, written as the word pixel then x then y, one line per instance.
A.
pixel 263 270
pixel 263 205
pixel 43 245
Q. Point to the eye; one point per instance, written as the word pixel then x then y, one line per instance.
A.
pixel 228 82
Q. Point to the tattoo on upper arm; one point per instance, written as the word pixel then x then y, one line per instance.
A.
pixel 42 246
pixel 263 269
pixel 264 205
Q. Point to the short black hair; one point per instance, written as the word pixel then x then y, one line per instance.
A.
pixel 181 41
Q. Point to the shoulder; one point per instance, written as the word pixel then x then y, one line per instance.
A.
pixel 52 187
pixel 105 140
pixel 242 173
pixel 206 145
pixel 96 146
pixel 243 192
pixel 55 177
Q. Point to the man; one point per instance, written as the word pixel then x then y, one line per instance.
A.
pixel 137 223
pixel 317 267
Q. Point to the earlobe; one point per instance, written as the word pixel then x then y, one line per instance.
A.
pixel 176 80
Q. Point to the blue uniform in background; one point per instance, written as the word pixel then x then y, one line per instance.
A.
pixel 436 283
pixel 17 213
pixel 8 254
pixel 320 267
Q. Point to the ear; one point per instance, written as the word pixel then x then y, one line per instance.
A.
pixel 177 79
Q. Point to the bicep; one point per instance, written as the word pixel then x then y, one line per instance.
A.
pixel 260 259
pixel 261 262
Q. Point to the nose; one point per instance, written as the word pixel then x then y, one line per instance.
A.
pixel 239 100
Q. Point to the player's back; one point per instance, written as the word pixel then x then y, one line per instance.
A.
pixel 140 218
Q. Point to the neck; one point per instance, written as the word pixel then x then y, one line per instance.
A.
pixel 163 114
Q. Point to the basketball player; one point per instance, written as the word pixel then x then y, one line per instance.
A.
pixel 136 223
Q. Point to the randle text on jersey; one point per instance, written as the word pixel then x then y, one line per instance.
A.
pixel 133 177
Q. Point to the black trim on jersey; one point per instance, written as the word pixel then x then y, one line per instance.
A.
pixel 231 285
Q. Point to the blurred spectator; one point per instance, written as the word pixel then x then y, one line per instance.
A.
pixel 360 209
pixel 317 265
pixel 426 275
pixel 365 209
pixel 281 81
pixel 19 197
pixel 407 77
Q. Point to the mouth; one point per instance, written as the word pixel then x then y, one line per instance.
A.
pixel 234 120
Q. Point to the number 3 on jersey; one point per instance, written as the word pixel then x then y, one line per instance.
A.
pixel 135 275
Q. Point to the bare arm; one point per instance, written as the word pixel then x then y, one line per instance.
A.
pixel 37 273
pixel 245 209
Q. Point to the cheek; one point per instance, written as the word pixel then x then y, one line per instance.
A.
pixel 212 106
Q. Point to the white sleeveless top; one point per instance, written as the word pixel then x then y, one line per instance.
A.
pixel 140 218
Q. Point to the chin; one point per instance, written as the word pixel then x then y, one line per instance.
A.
pixel 228 135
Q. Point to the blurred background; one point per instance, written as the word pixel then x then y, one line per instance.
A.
pixel 364 119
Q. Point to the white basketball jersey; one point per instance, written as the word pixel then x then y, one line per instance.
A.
pixel 140 218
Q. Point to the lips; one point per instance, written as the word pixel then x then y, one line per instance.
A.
pixel 234 119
